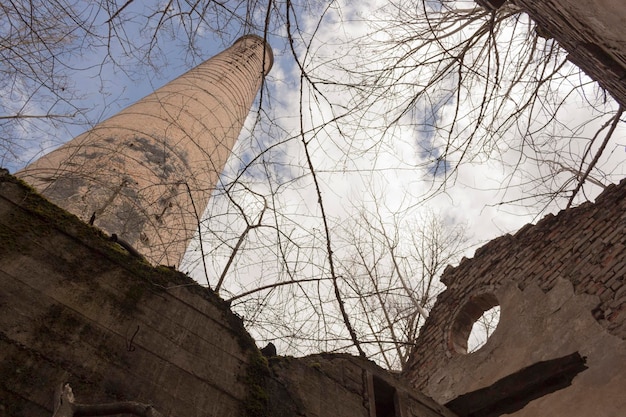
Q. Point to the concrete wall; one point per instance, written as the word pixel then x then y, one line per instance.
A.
pixel 330 385
pixel 592 32
pixel 560 287
pixel 76 307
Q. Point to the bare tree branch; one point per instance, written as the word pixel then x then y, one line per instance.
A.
pixel 594 161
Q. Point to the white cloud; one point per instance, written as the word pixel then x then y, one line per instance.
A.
pixel 360 164
pixel 367 154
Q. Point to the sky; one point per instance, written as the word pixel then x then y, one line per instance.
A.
pixel 381 159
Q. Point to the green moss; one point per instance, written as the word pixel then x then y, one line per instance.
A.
pixel 8 240
pixel 22 372
pixel 15 232
pixel 131 298
pixel 36 216
pixel 256 404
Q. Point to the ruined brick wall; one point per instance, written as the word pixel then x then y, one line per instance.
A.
pixel 560 286
pixel 591 31
pixel 76 307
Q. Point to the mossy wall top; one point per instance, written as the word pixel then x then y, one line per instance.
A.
pixel 76 307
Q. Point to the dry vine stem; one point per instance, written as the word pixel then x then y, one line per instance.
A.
pixel 64 406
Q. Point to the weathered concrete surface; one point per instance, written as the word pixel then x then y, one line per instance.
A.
pixel 330 385
pixel 76 307
pixel 560 286
pixel 146 174
pixel 592 32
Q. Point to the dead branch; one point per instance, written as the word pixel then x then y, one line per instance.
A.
pixel 65 406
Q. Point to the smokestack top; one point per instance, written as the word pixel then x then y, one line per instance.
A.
pixel 148 172
pixel 268 62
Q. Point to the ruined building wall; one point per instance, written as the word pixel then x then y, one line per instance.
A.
pixel 560 283
pixel 591 31
pixel 331 385
pixel 146 174
pixel 560 287
pixel 76 307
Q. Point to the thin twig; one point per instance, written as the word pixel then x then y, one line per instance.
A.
pixel 593 163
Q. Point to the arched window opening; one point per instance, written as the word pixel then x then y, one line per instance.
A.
pixel 474 323
pixel 483 328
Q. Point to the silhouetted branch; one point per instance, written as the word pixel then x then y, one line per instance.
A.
pixel 593 163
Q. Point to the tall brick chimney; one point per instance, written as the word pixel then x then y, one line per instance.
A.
pixel 146 174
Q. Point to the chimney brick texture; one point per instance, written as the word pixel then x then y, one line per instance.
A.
pixel 147 173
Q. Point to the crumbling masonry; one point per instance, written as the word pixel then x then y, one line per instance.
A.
pixel 560 287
